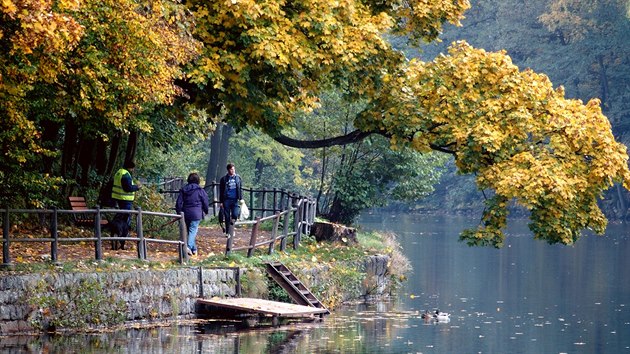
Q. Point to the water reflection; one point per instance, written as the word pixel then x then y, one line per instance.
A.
pixel 528 297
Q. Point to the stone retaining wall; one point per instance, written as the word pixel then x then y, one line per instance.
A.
pixel 145 294
pixel 378 281
pixel 152 294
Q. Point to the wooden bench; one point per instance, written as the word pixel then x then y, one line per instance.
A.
pixel 82 219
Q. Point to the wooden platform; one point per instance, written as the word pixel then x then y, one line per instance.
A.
pixel 262 307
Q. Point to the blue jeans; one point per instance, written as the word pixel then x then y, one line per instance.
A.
pixel 232 210
pixel 193 226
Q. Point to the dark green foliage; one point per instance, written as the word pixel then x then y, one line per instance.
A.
pixel 277 293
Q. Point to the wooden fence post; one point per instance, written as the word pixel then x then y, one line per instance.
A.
pixel 263 204
pixel 282 198
pixel 285 232
pixel 275 201
pixel 252 240
pixel 297 225
pixel 54 235
pixel 305 211
pixel 142 245
pixel 274 232
pixel 307 216
pixel 6 260
pixel 251 204
pixel 98 244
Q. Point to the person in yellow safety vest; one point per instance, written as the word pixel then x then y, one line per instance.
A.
pixel 123 190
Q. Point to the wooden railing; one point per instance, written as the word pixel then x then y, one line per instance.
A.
pixel 289 214
pixel 303 217
pixel 267 205
pixel 98 238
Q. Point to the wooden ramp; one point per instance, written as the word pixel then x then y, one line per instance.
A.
pixel 293 286
pixel 249 306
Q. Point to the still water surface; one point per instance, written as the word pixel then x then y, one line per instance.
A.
pixel 528 297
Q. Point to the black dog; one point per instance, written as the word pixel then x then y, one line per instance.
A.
pixel 119 227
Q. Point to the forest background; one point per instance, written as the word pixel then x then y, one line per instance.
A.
pixel 180 88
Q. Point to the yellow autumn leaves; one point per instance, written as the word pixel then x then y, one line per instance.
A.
pixel 277 56
pixel 523 139
pixel 115 58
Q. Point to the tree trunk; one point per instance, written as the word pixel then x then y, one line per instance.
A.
pixel 260 166
pixel 50 136
pixel 321 182
pixel 332 232
pixel 85 160
pixel 100 161
pixel 623 209
pixel 336 211
pixel 113 155
pixel 213 170
pixel 132 146
pixel 224 151
pixel 603 80
pixel 69 148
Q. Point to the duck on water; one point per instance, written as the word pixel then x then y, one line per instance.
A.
pixel 436 316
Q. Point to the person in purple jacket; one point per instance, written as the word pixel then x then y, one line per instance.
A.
pixel 193 201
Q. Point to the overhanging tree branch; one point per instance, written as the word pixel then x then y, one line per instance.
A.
pixel 352 137
pixel 444 149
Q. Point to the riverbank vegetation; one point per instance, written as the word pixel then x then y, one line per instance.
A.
pixel 335 272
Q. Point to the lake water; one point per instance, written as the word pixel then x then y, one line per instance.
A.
pixel 529 297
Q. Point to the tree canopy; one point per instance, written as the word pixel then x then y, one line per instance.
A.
pixel 521 137
pixel 84 69
pixel 263 60
pixel 74 75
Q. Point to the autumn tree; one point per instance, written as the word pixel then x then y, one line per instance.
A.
pixel 73 72
pixel 77 77
pixel 580 45
pixel 30 46
pixel 521 137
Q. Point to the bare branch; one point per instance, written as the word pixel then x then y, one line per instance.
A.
pixel 352 137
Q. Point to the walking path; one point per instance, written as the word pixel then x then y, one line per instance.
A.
pixel 210 241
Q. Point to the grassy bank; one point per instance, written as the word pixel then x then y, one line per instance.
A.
pixel 335 272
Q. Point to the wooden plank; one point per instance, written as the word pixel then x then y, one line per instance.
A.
pixel 267 307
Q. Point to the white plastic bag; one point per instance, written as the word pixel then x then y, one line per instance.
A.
pixel 244 211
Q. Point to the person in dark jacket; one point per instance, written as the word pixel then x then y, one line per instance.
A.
pixel 230 194
pixel 193 201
